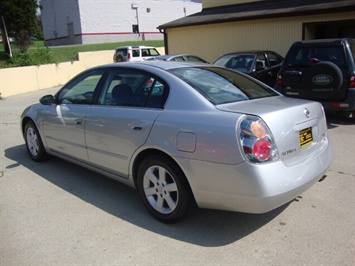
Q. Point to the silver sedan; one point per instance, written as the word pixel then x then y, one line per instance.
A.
pixel 184 135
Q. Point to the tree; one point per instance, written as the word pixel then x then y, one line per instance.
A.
pixel 21 20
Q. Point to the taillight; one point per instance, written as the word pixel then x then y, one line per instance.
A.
pixel 262 149
pixel 128 55
pixel 256 140
pixel 279 80
pixel 352 82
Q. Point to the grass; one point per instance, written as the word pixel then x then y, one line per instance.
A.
pixel 67 53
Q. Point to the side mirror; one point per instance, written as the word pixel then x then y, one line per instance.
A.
pixel 47 100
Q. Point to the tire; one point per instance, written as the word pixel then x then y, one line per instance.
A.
pixel 163 189
pixel 353 117
pixel 34 143
pixel 323 80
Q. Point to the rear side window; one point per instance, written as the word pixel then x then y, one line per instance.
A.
pixel 193 59
pixel 273 59
pixel 178 59
pixel 135 53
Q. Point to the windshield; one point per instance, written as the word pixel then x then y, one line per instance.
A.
pixel 239 62
pixel 221 85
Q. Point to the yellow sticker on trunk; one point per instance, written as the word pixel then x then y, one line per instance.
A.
pixel 306 137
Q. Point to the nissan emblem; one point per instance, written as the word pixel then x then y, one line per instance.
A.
pixel 306 112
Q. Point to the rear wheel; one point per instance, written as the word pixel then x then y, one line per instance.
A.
pixel 34 143
pixel 163 189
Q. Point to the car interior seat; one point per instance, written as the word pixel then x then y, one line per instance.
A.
pixel 259 65
pixel 124 95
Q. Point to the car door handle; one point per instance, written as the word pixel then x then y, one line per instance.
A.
pixel 138 126
pixel 77 122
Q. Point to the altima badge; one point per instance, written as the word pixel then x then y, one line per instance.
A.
pixel 306 112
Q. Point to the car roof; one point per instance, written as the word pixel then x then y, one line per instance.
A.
pixel 174 55
pixel 165 65
pixel 250 52
pixel 338 40
pixel 168 56
pixel 137 46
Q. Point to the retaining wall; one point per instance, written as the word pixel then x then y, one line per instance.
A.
pixel 20 80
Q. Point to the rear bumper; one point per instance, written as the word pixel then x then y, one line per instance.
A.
pixel 344 106
pixel 254 188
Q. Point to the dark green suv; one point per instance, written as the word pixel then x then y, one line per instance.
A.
pixel 321 70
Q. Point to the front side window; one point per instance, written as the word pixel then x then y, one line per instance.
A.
pixel 153 52
pixel 220 85
pixel 81 90
pixel 128 87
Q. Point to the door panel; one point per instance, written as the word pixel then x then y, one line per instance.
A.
pixel 64 130
pixel 120 123
pixel 65 121
pixel 114 133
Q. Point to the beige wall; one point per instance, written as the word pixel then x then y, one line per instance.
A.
pixel 216 3
pixel 213 40
pixel 19 80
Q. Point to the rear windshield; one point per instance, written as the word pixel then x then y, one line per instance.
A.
pixel 307 56
pixel 221 85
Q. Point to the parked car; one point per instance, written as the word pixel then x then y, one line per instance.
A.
pixel 183 133
pixel 179 58
pixel 262 65
pixel 134 53
pixel 321 70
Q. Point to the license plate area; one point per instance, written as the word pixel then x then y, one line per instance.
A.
pixel 306 137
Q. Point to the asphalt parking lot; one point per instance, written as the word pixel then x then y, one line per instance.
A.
pixel 57 213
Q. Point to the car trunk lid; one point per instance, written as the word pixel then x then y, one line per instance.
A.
pixel 298 126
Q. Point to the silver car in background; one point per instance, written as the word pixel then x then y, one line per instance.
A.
pixel 183 133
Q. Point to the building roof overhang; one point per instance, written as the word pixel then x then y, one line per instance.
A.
pixel 261 10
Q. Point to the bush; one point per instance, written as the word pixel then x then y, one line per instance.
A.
pixel 32 57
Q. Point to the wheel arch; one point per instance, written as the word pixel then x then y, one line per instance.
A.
pixel 150 152
pixel 27 119
pixel 24 121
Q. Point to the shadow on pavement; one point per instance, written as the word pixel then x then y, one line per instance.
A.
pixel 208 228
pixel 335 121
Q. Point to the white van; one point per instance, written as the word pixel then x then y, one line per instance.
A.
pixel 134 53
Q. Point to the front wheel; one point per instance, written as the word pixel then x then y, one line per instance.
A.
pixel 163 188
pixel 34 143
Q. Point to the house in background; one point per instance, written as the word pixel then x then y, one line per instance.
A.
pixel 88 21
pixel 232 25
